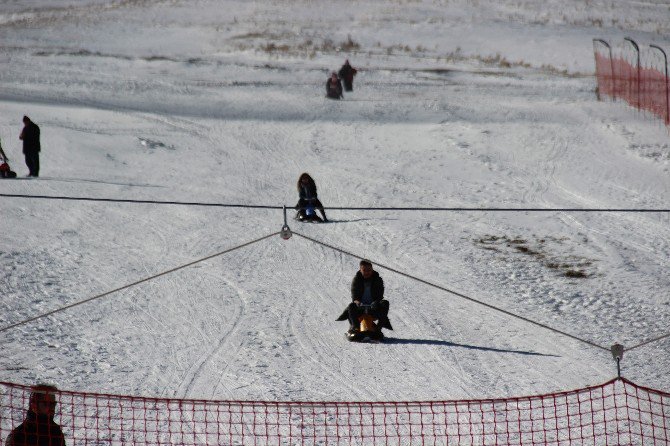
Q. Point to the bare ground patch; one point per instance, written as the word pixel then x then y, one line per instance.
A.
pixel 547 251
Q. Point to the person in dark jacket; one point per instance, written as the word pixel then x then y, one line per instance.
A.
pixel 31 146
pixel 39 428
pixel 367 290
pixel 334 87
pixel 308 200
pixel 347 73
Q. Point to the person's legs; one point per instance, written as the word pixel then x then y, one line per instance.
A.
pixel 354 312
pixel 36 164
pixel 381 312
pixel 33 163
pixel 319 206
pixel 29 163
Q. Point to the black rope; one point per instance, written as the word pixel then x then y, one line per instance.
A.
pixel 463 296
pixel 121 200
pixel 495 209
pixel 134 283
pixel 649 341
pixel 337 208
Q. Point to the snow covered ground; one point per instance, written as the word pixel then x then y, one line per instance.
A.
pixel 457 104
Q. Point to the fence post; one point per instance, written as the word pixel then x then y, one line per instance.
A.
pixel 595 53
pixel 667 94
pixel 637 50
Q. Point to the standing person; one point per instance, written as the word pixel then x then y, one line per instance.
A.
pixel 39 428
pixel 308 199
pixel 334 87
pixel 367 291
pixel 31 146
pixel 347 73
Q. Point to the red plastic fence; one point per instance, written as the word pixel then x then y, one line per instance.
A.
pixel 615 413
pixel 643 88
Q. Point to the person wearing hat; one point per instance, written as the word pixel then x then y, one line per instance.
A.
pixel 334 87
pixel 30 135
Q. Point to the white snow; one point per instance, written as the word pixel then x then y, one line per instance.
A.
pixel 457 104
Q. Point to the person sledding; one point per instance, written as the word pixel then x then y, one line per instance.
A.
pixel 5 170
pixel 308 201
pixel 367 305
pixel 334 87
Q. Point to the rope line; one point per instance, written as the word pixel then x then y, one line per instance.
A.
pixel 134 283
pixel 463 296
pixel 121 200
pixel 649 341
pixel 338 208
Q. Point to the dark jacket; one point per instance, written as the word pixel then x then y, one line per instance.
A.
pixel 333 89
pixel 31 138
pixel 358 286
pixel 36 430
pixel 307 191
pixel 347 73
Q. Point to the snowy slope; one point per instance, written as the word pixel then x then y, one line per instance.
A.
pixel 457 104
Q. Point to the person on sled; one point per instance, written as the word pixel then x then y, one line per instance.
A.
pixel 334 87
pixel 367 297
pixel 347 73
pixel 308 201
pixel 5 170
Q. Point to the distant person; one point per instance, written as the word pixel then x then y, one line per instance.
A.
pixel 31 146
pixel 38 428
pixel 308 201
pixel 5 170
pixel 367 294
pixel 347 73
pixel 334 87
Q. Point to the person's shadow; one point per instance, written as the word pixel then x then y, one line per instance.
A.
pixel 388 340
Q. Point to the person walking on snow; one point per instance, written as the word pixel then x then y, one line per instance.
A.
pixel 347 73
pixel 30 135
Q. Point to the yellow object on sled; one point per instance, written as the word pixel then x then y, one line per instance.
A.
pixel 367 323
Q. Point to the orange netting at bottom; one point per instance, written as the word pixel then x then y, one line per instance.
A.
pixel 615 413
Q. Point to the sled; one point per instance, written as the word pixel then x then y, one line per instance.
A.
pixel 308 215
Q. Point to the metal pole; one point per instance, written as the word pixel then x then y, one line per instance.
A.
pixel 637 49
pixel 667 94
pixel 609 48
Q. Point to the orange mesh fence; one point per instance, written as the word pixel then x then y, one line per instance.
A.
pixel 615 413
pixel 645 89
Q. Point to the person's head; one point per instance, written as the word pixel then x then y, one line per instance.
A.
pixel 26 119
pixel 305 178
pixel 365 267
pixel 333 76
pixel 43 400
